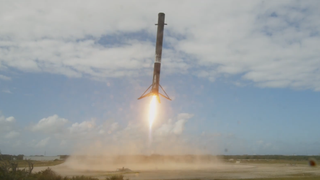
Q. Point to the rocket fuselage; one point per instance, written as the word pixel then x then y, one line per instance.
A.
pixel 157 62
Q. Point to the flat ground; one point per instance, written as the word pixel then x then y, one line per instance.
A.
pixel 252 170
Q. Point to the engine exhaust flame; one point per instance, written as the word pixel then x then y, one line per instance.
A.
pixel 152 113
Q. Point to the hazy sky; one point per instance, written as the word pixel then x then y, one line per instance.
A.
pixel 243 75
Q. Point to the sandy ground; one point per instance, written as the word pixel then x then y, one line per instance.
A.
pixel 225 171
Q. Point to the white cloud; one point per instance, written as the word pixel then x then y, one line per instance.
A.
pixel 51 124
pixel 174 127
pixel 179 126
pixel 114 126
pixel 239 44
pixel 3 77
pixel 133 138
pixel 183 116
pixel 272 44
pixel 108 128
pixel 10 119
pixel 43 142
pixel 6 124
pixel 7 91
pixel 12 134
pixel 83 127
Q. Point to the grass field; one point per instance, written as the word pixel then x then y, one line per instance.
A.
pixel 288 178
pixel 290 162
pixel 22 163
pixel 237 169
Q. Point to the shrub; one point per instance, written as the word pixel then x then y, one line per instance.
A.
pixel 82 178
pixel 115 177
pixel 47 174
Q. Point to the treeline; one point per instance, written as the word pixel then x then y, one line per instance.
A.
pixel 64 157
pixel 185 157
pixel 11 157
pixel 270 157
pixel 20 156
pixel 190 158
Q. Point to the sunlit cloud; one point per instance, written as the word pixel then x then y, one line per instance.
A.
pixel 271 44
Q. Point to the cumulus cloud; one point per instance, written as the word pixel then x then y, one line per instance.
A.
pixel 7 91
pixel 11 119
pixel 174 127
pixel 12 134
pixel 3 77
pixel 83 127
pixel 43 142
pixel 51 124
pixel 272 44
pixel 269 45
pixel 111 134
pixel 132 138
pixel 179 126
pixel 65 48
pixel 6 124
pixel 109 137
pixel 108 128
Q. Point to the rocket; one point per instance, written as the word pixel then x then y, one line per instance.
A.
pixel 157 64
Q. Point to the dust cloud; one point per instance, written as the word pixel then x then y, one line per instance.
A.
pixel 137 152
pixel 141 162
pixel 131 147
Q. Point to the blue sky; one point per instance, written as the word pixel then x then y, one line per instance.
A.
pixel 242 77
